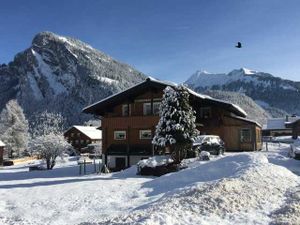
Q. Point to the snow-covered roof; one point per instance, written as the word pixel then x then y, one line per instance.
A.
pixel 104 103
pixel 1 144
pixel 246 120
pixel 280 123
pixel 90 131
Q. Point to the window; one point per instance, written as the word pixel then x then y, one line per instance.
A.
pixel 120 135
pixel 76 141
pixel 156 106
pixel 145 134
pixel 72 134
pixel 245 135
pixel 205 112
pixel 78 134
pixel 126 110
pixel 82 141
pixel 147 109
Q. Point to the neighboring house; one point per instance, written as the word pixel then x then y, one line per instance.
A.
pixel 2 145
pixel 295 126
pixel 288 126
pixel 81 136
pixel 129 119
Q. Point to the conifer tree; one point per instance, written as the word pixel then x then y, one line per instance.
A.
pixel 14 128
pixel 176 128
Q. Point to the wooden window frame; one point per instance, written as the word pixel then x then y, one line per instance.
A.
pixel 250 135
pixel 144 108
pixel 123 110
pixel 120 139
pixel 157 104
pixel 144 138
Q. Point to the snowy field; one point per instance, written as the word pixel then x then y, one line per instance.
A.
pixel 241 188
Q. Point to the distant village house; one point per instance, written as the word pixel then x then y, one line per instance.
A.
pixel 129 119
pixel 285 126
pixel 82 136
pixel 2 145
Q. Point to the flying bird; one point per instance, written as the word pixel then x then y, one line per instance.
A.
pixel 239 45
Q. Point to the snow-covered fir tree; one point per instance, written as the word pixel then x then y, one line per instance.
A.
pixel 14 129
pixel 176 128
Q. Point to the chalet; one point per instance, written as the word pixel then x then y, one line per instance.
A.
pixel 129 119
pixel 2 145
pixel 288 126
pixel 81 136
pixel 295 126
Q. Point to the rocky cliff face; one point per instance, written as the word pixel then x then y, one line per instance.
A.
pixel 62 74
pixel 276 95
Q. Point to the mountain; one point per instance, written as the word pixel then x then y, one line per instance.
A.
pixel 62 74
pixel 254 111
pixel 277 96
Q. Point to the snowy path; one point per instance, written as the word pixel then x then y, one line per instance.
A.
pixel 240 188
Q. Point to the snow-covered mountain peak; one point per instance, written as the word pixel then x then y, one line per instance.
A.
pixel 63 74
pixel 261 86
pixel 248 71
pixel 202 72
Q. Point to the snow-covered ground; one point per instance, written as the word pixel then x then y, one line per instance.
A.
pixel 238 188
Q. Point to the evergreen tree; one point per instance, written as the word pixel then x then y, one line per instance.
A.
pixel 14 128
pixel 176 128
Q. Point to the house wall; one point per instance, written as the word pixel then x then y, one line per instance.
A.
pixel 229 129
pixel 132 125
pixel 134 159
pixel 296 130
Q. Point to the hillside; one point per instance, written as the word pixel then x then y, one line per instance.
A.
pixel 62 74
pixel 254 111
pixel 275 95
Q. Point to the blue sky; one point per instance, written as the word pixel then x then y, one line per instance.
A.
pixel 167 39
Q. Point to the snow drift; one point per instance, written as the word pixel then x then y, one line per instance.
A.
pixel 240 189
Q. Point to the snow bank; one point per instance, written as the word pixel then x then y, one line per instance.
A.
pixel 155 161
pixel 247 192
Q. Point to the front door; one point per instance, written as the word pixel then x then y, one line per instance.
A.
pixel 120 163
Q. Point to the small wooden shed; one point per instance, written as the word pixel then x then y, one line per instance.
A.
pixel 2 145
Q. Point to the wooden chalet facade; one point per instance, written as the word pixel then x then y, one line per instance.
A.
pixel 81 136
pixel 129 119
pixel 2 145
pixel 295 126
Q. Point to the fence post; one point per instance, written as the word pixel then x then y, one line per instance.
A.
pixel 99 167
pixel 95 169
pixel 80 168
pixel 84 166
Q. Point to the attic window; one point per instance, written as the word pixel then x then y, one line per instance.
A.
pixel 126 109
pixel 205 112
